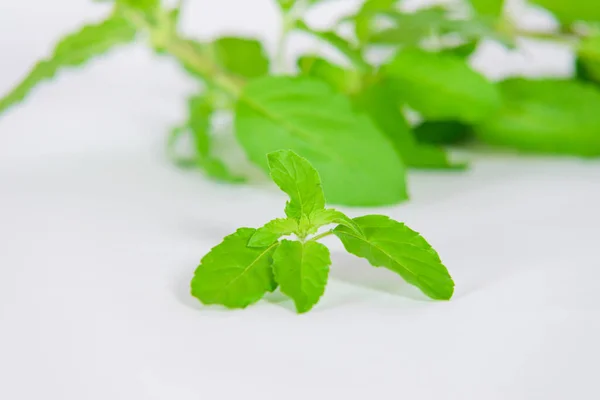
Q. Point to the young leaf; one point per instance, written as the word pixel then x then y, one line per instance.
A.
pixel 296 177
pixel 272 231
pixel 381 104
pixel 356 163
pixel 330 216
pixel 301 269
pixel 441 86
pixel 233 274
pixel 73 50
pixel 569 11
pixel 391 244
pixel 243 57
pixel 553 116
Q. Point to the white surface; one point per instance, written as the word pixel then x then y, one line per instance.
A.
pixel 99 236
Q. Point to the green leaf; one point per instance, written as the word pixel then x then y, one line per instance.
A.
pixel 443 133
pixel 198 124
pixel 233 274
pixel 364 20
pixel 381 104
pixel 553 116
pixel 342 80
pixel 488 7
pixel 391 244
pixel 351 52
pixel 141 5
pixel 301 269
pixel 330 216
pixel 73 50
pixel 588 59
pixel 441 86
pixel 295 176
pixel 243 57
pixel 569 11
pixel 410 29
pixel 272 231
pixel 356 162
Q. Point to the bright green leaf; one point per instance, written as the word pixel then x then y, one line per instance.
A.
pixel 355 161
pixel 553 116
pixel 272 231
pixel 330 216
pixel 301 269
pixel 391 244
pixel 342 80
pixel 298 179
pixel 233 274
pixel 488 7
pixel 569 11
pixel 240 56
pixel 287 5
pixel 382 105
pixel 441 86
pixel 73 50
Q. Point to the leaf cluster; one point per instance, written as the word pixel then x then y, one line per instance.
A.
pixel 252 262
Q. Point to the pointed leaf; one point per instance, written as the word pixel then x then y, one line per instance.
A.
pixel 391 244
pixel 73 50
pixel 301 269
pixel 272 231
pixel 233 274
pixel 296 177
pixel 356 162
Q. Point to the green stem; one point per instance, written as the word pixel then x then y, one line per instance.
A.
pixel 320 236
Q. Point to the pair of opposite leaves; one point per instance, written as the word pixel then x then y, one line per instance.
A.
pixel 251 262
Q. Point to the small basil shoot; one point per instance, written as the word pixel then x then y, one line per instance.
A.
pixel 251 262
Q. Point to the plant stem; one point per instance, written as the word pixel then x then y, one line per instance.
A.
pixel 321 236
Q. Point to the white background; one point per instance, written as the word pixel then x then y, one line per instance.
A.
pixel 100 235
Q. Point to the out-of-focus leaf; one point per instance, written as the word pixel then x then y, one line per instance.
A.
pixel 343 80
pixel 443 133
pixel 568 11
pixel 351 52
pixel 588 59
pixel 552 116
pixel 411 28
pixel 355 160
pixel 243 57
pixel 365 19
pixel 441 86
pixel 381 104
pixel 73 50
pixel 198 125
pixel 488 7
